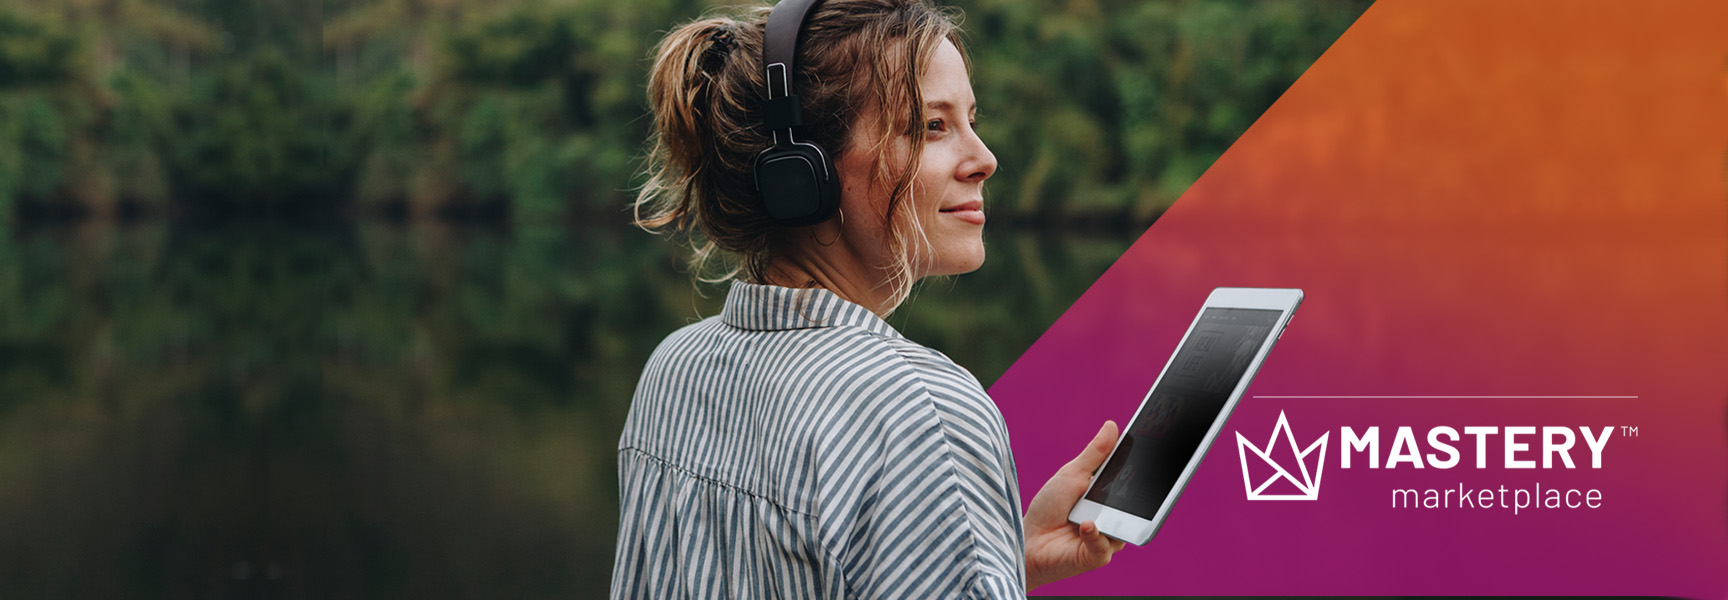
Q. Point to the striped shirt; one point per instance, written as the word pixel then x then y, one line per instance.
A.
pixel 797 446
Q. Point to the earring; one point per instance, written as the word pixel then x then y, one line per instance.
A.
pixel 837 236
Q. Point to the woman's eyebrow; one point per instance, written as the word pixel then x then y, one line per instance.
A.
pixel 945 105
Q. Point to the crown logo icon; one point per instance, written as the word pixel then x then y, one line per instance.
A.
pixel 1306 487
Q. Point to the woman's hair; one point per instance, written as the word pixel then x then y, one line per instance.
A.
pixel 706 89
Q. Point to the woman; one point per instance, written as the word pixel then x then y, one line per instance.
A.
pixel 796 446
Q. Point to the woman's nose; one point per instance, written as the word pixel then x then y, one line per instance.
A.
pixel 980 163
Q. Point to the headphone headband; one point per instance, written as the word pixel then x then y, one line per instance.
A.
pixel 781 112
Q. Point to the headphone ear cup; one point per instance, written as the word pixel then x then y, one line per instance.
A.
pixel 798 185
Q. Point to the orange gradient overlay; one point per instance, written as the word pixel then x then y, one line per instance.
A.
pixel 1481 199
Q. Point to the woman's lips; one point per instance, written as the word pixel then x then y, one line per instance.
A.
pixel 970 212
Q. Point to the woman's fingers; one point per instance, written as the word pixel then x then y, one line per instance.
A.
pixel 1096 451
pixel 1056 548
pixel 1050 506
pixel 1097 547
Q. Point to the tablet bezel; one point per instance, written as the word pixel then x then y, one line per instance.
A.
pixel 1131 528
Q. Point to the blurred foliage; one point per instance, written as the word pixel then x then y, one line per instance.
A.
pixel 1102 110
pixel 35 51
pixel 1116 107
pixel 80 128
pixel 265 134
pixel 531 108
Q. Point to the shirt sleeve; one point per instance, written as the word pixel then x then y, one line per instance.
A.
pixel 925 505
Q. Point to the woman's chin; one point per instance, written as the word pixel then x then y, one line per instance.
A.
pixel 959 263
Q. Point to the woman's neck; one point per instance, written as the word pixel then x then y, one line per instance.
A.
pixel 851 280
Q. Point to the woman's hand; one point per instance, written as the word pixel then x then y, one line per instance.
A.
pixel 1055 548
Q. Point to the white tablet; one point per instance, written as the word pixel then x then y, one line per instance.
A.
pixel 1185 409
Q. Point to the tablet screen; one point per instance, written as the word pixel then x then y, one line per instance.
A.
pixel 1181 409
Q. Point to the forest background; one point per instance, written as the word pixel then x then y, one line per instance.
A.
pixel 1100 111
pixel 339 298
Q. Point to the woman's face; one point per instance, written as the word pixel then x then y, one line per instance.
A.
pixel 947 188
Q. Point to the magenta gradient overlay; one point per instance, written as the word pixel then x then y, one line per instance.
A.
pixel 1478 199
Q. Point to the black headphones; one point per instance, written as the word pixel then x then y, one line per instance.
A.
pixel 797 181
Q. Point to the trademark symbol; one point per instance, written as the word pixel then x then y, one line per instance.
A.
pixel 1628 431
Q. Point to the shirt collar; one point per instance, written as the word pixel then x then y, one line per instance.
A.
pixel 771 308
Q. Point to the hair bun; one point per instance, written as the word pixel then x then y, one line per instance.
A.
pixel 721 41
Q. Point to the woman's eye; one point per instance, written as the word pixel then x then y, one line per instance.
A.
pixel 934 125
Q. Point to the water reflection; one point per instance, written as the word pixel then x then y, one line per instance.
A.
pixel 373 410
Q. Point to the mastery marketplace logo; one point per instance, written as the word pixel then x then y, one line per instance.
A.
pixel 1282 469
pixel 1306 488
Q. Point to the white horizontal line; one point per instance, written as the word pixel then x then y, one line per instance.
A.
pixel 1439 397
